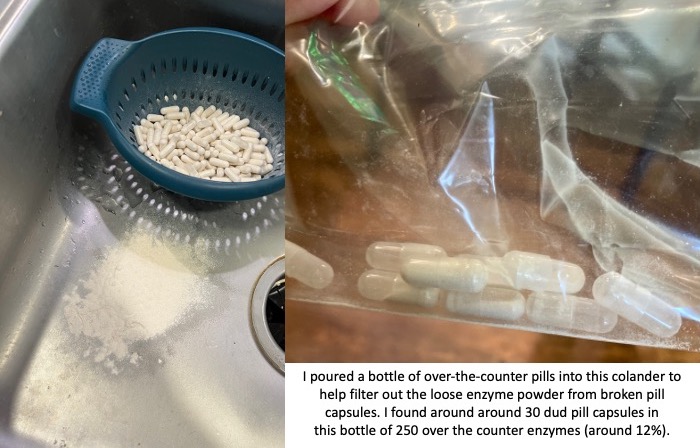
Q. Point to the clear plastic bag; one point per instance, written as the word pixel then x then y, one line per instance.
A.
pixel 567 129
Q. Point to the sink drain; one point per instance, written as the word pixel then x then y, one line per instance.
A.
pixel 274 312
pixel 267 313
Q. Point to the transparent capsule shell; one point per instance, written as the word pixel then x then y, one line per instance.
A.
pixel 306 267
pixel 382 285
pixel 569 312
pixel 389 256
pixel 491 303
pixel 636 304
pixel 453 274
pixel 537 272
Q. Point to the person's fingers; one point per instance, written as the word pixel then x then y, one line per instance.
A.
pixel 300 10
pixel 344 12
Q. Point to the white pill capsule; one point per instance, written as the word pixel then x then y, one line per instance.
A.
pixel 175 116
pixel 233 174
pixel 306 267
pixel 158 133
pixel 139 137
pixel 389 256
pixel 636 304
pixel 245 157
pixel 570 312
pixel 217 125
pixel 230 158
pixel 234 148
pixel 491 303
pixel 167 150
pixel 538 272
pixel 228 123
pixel 381 285
pixel 153 118
pixel 203 124
pixel 218 163
pixel 169 110
pixel 192 154
pixel 192 146
pixel 188 127
pixel 208 111
pixel 242 143
pixel 167 128
pixel 250 132
pixel 241 124
pixel 204 132
pixel 454 274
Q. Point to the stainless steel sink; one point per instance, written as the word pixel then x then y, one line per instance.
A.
pixel 89 357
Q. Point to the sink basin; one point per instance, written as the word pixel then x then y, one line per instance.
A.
pixel 126 312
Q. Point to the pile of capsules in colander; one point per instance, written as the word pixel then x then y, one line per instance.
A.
pixel 206 143
pixel 491 287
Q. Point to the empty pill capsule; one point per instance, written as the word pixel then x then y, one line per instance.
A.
pixel 306 267
pixel 538 272
pixel 453 274
pixel 636 304
pixel 381 285
pixel 571 312
pixel 492 303
pixel 389 256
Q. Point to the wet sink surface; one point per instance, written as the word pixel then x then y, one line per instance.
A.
pixel 125 310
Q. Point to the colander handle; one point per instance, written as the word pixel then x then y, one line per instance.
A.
pixel 88 96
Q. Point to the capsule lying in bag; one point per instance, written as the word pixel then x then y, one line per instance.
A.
pixel 491 303
pixel 534 272
pixel 570 312
pixel 452 274
pixel 389 256
pixel 636 304
pixel 381 285
pixel 307 267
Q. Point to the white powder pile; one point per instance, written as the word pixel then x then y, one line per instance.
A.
pixel 137 292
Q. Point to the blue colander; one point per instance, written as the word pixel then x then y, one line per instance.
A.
pixel 121 82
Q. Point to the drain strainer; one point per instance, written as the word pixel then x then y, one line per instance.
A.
pixel 267 313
